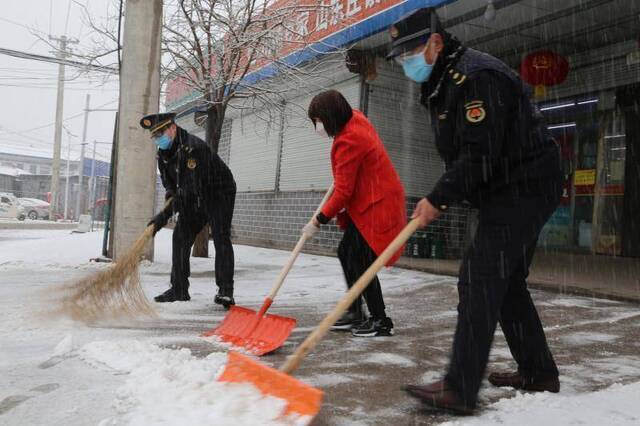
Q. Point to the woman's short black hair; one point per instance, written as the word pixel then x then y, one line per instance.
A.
pixel 332 109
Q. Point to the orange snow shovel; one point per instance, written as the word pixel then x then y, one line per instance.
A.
pixel 302 399
pixel 258 333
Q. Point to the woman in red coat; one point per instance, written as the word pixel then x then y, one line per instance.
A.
pixel 368 201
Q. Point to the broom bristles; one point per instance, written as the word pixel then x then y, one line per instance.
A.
pixel 114 292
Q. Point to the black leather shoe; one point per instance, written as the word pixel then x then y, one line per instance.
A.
pixel 171 296
pixel 374 328
pixel 349 320
pixel 542 383
pixel 439 396
pixel 225 296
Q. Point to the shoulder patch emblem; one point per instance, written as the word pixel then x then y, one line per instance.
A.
pixel 456 76
pixel 191 163
pixel 460 79
pixel 475 111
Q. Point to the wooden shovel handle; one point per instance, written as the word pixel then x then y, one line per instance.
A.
pixel 296 251
pixel 305 347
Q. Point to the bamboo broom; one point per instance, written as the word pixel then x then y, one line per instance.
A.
pixel 114 292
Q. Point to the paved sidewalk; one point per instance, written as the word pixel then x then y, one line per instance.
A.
pixel 36 224
pixel 615 278
pixel 594 341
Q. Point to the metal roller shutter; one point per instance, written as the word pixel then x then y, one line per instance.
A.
pixel 187 122
pixel 224 147
pixel 605 68
pixel 306 162
pixel 253 153
pixel 403 125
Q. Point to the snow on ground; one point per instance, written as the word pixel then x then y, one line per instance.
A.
pixel 157 371
pixel 388 359
pixel 173 387
pixel 616 405
pixel 130 378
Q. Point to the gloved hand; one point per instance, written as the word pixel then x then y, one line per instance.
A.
pixel 158 222
pixel 310 229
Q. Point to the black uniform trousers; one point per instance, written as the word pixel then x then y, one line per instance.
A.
pixel 492 288
pixel 356 256
pixel 190 223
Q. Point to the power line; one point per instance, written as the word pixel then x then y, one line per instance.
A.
pixel 65 119
pixel 44 153
pixel 119 35
pixel 50 14
pixel 82 89
pixel 25 71
pixel 60 61
pixel 50 81
pixel 26 137
pixel 47 80
pixel 66 22
pixel 20 25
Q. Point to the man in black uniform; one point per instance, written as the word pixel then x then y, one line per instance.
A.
pixel 500 159
pixel 203 191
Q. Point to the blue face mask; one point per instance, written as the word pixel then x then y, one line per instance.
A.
pixel 162 142
pixel 416 68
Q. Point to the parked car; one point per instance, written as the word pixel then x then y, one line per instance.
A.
pixel 35 208
pixel 10 207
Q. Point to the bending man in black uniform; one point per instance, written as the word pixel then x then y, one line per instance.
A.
pixel 203 191
pixel 501 160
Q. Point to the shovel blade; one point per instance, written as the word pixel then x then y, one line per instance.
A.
pixel 242 327
pixel 302 399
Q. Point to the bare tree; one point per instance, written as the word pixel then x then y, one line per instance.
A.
pixel 97 54
pixel 212 46
pixel 233 54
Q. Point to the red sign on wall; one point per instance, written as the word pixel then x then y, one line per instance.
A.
pixel 311 22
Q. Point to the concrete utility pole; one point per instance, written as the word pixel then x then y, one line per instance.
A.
pixel 81 206
pixel 66 185
pixel 92 194
pixel 81 171
pixel 139 95
pixel 55 173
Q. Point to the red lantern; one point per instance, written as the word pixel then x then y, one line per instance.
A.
pixel 544 68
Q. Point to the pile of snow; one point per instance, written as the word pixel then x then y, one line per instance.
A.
pixel 615 405
pixel 172 387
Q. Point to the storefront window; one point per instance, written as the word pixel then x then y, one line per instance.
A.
pixel 609 194
pixel 592 146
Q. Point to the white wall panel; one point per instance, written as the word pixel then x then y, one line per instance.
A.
pixel 403 125
pixel 306 162
pixel 253 153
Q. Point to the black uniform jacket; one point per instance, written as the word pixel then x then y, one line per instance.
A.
pixel 487 131
pixel 193 175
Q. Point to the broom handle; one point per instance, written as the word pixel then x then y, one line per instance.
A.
pixel 292 258
pixel 305 347
pixel 147 234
